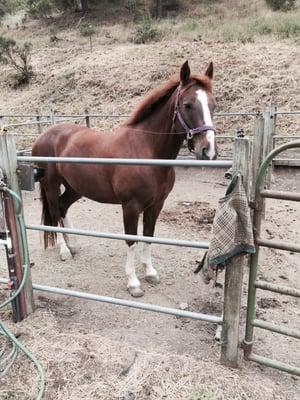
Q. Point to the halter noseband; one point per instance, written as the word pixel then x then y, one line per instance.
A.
pixel 190 132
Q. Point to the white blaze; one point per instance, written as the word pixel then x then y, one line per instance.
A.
pixel 210 135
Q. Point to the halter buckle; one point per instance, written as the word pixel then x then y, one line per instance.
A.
pixel 189 135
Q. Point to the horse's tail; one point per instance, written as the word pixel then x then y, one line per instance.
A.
pixel 49 217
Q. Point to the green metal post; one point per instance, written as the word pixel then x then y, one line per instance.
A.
pixel 258 208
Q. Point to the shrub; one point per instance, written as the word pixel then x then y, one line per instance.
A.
pixel 284 5
pixel 131 6
pixel 9 6
pixel 87 30
pixel 18 57
pixel 145 31
pixel 53 31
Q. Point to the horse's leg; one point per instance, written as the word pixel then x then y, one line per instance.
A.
pixel 131 213
pixel 68 197
pixel 218 333
pixel 64 251
pixel 50 190
pixel 150 216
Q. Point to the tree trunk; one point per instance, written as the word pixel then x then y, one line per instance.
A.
pixel 159 8
pixel 84 5
pixel 81 5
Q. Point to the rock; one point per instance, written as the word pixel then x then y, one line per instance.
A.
pixel 283 277
pixel 183 306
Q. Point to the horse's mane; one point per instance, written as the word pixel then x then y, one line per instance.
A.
pixel 161 94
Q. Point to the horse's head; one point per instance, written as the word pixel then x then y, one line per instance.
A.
pixel 194 107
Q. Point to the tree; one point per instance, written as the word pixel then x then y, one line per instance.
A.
pixel 18 57
pixel 159 8
pixel 83 5
pixel 88 30
pixel 44 8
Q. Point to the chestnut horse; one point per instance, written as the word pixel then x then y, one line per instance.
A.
pixel 179 109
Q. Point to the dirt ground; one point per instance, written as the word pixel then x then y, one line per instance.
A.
pixel 97 351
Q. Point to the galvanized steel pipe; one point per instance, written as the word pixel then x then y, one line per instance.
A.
pixel 127 303
pixel 278 244
pixel 128 161
pixel 282 195
pixel 120 236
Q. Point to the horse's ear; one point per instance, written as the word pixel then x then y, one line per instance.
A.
pixel 185 73
pixel 210 70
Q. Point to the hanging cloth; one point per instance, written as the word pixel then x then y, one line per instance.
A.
pixel 232 231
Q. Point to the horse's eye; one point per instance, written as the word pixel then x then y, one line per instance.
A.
pixel 187 105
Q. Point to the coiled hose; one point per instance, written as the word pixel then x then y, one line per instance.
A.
pixel 8 360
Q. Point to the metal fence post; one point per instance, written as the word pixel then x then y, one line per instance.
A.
pixel 8 164
pixel 234 269
pixel 39 126
pixel 87 118
pixel 262 145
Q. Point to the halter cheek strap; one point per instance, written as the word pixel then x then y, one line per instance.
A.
pixel 190 132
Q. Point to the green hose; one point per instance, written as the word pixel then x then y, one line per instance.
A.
pixel 4 331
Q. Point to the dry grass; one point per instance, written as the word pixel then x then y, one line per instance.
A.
pixel 115 77
pixel 252 69
pixel 82 365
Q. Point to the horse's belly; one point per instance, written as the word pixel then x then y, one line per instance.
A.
pixel 90 181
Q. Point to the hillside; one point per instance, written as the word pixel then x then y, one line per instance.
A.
pixel 252 70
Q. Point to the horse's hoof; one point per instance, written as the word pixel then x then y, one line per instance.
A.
pixel 73 249
pixel 66 256
pixel 153 279
pixel 218 333
pixel 136 291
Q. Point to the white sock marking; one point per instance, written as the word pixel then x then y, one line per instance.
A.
pixel 64 250
pixel 210 135
pixel 146 259
pixel 218 334
pixel 67 223
pixel 129 267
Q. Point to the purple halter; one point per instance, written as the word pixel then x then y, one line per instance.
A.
pixel 190 132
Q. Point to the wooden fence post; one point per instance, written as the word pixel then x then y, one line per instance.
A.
pixel 8 164
pixel 268 144
pixel 258 142
pixel 52 118
pixel 234 269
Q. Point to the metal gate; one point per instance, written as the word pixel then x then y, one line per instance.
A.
pixel 233 275
pixel 258 206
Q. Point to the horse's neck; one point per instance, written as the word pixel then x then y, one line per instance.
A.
pixel 164 142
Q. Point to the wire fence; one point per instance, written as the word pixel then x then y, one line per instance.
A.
pixel 27 131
